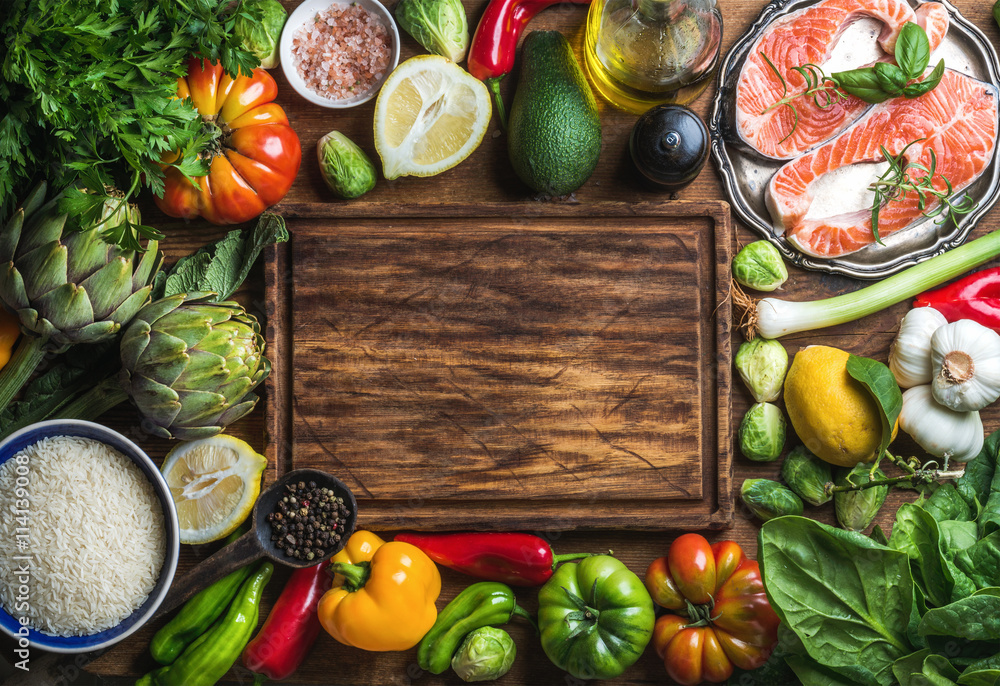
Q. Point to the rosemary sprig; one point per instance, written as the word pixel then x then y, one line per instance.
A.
pixel 823 90
pixel 913 177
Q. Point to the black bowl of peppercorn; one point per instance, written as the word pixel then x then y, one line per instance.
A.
pixel 305 517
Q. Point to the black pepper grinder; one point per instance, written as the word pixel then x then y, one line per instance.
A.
pixel 669 146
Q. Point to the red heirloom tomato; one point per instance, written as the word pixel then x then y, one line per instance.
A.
pixel 254 158
pixel 723 618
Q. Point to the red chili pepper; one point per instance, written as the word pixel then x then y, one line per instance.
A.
pixel 975 297
pixel 494 44
pixel 291 628
pixel 512 558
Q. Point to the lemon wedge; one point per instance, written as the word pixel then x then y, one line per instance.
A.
pixel 214 483
pixel 430 115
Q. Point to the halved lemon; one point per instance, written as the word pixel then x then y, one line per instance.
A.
pixel 214 483
pixel 429 116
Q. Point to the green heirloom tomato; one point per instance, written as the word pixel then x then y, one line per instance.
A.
pixel 759 266
pixel 595 617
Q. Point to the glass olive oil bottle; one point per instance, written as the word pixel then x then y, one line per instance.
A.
pixel 641 53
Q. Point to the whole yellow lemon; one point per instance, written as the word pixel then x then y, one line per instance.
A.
pixel 833 414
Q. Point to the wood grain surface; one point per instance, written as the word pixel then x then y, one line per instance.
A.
pixel 484 178
pixel 512 366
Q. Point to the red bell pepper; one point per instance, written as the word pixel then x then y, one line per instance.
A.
pixel 511 558
pixel 494 44
pixel 975 297
pixel 291 628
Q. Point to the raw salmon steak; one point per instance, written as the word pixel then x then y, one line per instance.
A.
pixel 957 120
pixel 809 36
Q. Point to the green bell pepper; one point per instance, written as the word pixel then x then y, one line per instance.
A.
pixel 595 616
pixel 486 603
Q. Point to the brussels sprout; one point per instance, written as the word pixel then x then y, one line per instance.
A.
pixel 762 364
pixel 762 433
pixel 768 499
pixel 857 509
pixel 484 655
pixel 807 475
pixel 439 25
pixel 759 266
pixel 261 37
pixel 346 168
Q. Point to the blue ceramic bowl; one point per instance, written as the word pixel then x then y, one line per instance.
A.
pixel 82 644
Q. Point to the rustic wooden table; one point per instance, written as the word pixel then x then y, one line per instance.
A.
pixel 487 177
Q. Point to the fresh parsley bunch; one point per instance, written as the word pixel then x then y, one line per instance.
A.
pixel 87 96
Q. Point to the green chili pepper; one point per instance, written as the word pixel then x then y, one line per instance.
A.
pixel 198 613
pixel 484 604
pixel 208 659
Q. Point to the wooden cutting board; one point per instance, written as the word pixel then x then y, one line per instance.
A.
pixel 532 365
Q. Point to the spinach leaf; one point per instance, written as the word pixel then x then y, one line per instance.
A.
pixel 916 534
pixel 918 88
pixel 981 562
pixel 975 484
pixel 890 78
pixel 861 83
pixel 957 536
pixel 908 665
pixel 812 673
pixel 223 266
pixel 938 671
pixel 991 662
pixel 913 50
pixel 976 618
pixel 846 597
pixel 881 383
pixel 945 503
pixel 878 535
pixel 984 677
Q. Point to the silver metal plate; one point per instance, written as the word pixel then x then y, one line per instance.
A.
pixel 745 172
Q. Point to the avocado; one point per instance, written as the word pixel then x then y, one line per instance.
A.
pixel 553 133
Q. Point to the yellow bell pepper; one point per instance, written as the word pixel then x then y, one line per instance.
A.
pixel 10 331
pixel 383 594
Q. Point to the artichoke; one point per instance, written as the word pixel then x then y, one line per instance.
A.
pixel 190 364
pixel 68 286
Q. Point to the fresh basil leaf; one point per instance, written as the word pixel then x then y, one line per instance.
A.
pixel 847 598
pixel 976 484
pixel 918 88
pixel 916 534
pixel 812 673
pixel 976 618
pixel 223 266
pixel 913 50
pixel 861 83
pixel 945 503
pixel 891 78
pixel 981 561
pixel 881 383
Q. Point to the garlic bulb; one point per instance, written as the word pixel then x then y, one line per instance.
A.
pixel 957 436
pixel 910 352
pixel 965 360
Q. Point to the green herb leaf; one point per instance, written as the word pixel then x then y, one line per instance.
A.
pixel 916 534
pixel 861 83
pixel 891 79
pixel 908 665
pixel 881 384
pixel 976 484
pixel 223 266
pixel 976 618
pixel 981 561
pixel 946 504
pixel 846 597
pixel 913 50
pixel 918 88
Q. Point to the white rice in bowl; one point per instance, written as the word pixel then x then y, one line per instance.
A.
pixel 94 534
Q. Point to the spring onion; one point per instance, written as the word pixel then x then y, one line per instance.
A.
pixel 773 317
